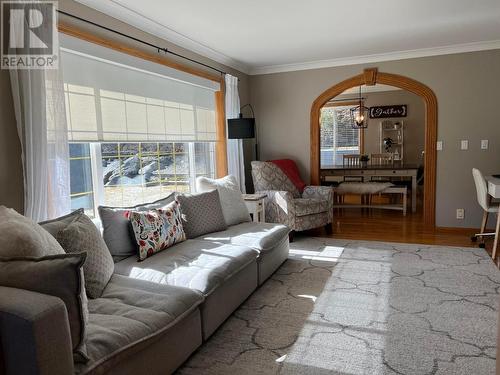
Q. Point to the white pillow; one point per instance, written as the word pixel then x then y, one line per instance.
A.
pixel 233 206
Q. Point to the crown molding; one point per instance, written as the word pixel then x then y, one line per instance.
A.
pixel 368 59
pixel 116 10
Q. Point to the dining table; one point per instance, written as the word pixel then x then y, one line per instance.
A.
pixel 370 172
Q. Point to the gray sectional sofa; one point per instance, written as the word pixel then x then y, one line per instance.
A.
pixel 152 314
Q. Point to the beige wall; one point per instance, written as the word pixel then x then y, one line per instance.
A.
pixel 11 182
pixel 467 90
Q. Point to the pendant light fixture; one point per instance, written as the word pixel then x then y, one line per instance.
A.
pixel 359 114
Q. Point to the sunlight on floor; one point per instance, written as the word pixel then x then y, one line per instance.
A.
pixel 347 311
pixel 327 254
pixel 312 298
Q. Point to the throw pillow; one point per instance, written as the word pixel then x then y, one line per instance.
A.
pixel 233 206
pixel 54 226
pixel 56 275
pixel 201 213
pixel 21 236
pixel 116 226
pixel 157 230
pixel 81 235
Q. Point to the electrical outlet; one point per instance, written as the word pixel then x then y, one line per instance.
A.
pixel 464 144
pixel 460 213
pixel 439 145
pixel 484 144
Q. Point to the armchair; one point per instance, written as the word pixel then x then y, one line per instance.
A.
pixel 285 204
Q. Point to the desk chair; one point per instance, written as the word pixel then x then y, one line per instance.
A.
pixel 484 200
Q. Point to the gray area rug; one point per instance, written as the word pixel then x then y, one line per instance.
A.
pixel 357 307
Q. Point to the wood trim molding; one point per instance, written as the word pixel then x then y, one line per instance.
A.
pixel 341 104
pixel 89 37
pixel 370 76
pixel 431 121
pixel 221 143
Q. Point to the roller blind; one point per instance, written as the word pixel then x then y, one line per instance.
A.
pixel 112 96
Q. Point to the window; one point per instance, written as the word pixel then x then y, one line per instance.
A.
pixel 337 137
pixel 135 134
pixel 134 173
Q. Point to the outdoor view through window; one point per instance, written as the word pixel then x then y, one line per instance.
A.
pixel 337 137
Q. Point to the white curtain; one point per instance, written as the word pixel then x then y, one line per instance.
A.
pixel 235 160
pixel 38 97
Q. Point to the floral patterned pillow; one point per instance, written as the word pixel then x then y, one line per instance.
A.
pixel 157 229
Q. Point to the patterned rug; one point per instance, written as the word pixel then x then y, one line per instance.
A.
pixel 357 307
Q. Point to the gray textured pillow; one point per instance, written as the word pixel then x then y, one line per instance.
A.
pixel 21 236
pixel 54 226
pixel 56 275
pixel 81 235
pixel 201 213
pixel 233 206
pixel 117 232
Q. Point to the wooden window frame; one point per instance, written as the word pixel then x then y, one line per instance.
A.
pixel 220 114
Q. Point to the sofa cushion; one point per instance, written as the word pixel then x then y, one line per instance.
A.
pixel 81 235
pixel 116 226
pixel 130 312
pixel 309 206
pixel 233 206
pixel 21 236
pixel 258 236
pixel 55 275
pixel 201 213
pixel 157 230
pixel 194 264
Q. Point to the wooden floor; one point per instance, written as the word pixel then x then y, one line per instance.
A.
pixel 392 226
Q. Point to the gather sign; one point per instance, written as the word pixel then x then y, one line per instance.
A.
pixel 385 111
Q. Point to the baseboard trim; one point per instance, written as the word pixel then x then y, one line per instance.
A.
pixel 456 230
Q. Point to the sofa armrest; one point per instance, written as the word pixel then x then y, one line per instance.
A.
pixel 321 192
pixel 280 207
pixel 34 333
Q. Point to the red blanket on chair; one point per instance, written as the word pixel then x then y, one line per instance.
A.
pixel 289 167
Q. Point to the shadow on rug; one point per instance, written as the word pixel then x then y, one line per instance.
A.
pixel 357 307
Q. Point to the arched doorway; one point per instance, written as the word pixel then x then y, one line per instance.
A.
pixel 371 77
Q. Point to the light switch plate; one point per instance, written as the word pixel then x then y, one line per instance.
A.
pixel 464 144
pixel 460 213
pixel 484 144
pixel 439 145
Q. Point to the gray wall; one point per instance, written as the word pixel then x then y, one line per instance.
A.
pixel 11 180
pixel 414 123
pixel 467 89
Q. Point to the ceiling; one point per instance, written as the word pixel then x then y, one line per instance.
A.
pixel 260 37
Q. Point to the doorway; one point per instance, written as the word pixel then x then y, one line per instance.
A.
pixel 371 77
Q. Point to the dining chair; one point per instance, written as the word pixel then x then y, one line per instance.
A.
pixel 382 159
pixel 484 200
pixel 386 158
pixel 351 160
